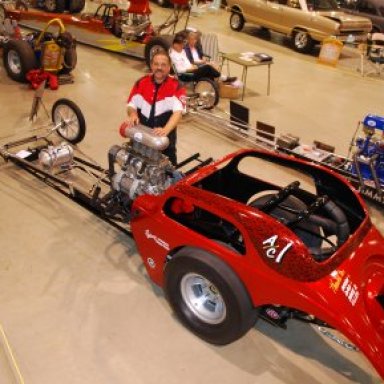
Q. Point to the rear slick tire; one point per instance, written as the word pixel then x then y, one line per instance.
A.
pixel 19 59
pixel 208 297
pixel 155 45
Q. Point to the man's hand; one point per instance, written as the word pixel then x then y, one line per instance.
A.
pixel 158 131
pixel 132 120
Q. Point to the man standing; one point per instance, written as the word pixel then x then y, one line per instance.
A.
pixel 158 101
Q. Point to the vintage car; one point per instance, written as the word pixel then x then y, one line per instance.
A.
pixel 372 9
pixel 254 234
pixel 304 22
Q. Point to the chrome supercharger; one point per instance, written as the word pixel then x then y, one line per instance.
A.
pixel 56 156
pixel 143 167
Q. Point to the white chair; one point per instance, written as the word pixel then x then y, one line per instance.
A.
pixel 375 53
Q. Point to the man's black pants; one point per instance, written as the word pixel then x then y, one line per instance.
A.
pixel 170 151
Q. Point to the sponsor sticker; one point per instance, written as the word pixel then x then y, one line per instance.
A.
pixel 156 239
pixel 272 247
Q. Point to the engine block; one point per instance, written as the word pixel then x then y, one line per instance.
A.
pixel 143 168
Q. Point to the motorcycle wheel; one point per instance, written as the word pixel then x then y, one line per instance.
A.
pixel 70 119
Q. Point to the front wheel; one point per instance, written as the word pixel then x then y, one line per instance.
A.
pixel 207 296
pixel 69 120
pixel 302 42
pixel 236 21
pixel 208 92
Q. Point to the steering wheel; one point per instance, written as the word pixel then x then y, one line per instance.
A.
pixel 313 229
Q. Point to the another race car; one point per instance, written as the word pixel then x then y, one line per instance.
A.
pixel 127 31
pixel 52 51
pixel 227 242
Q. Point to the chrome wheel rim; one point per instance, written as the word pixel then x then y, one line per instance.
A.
pixel 69 127
pixel 235 20
pixel 301 40
pixel 14 62
pixel 50 5
pixel 203 299
pixel 206 94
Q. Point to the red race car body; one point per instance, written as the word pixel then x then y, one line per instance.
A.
pixel 223 210
pixel 253 234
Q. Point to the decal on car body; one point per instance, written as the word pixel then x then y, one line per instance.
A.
pixel 346 285
pixel 350 290
pixel 156 239
pixel 271 248
pixel 336 278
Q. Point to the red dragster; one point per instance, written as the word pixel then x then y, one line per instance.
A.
pixel 228 242
pixel 227 246
pixel 127 31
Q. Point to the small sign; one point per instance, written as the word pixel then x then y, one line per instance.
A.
pixel 330 51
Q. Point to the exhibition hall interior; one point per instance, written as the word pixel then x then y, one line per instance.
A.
pixel 257 258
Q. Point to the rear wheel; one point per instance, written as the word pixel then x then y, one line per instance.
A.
pixel 302 41
pixel 208 297
pixel 57 6
pixel 70 60
pixel 76 6
pixel 19 59
pixel 208 92
pixel 157 44
pixel 69 119
pixel 236 21
pixel 21 5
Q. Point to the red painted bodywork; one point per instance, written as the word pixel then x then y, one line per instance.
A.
pixel 341 291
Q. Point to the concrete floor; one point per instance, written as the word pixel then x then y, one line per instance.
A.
pixel 76 303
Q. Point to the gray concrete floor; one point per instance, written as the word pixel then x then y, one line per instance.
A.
pixel 76 304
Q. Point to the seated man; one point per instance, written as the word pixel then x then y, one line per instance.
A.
pixel 188 71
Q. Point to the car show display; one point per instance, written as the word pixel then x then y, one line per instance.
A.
pixel 362 167
pixel 127 31
pixel 306 23
pixel 277 232
pixel 227 244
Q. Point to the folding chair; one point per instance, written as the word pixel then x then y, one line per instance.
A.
pixel 375 54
